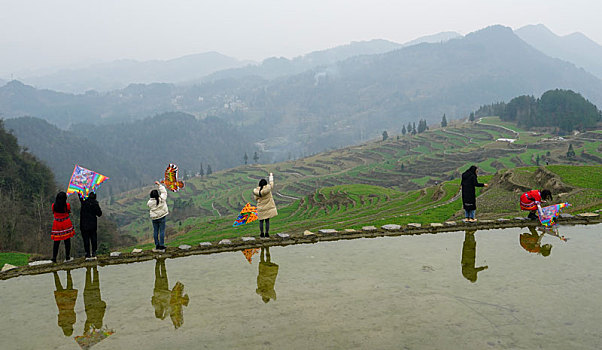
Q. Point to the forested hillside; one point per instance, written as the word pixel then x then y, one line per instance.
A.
pixel 136 153
pixel 26 191
pixel 562 110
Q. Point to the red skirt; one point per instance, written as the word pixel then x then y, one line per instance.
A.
pixel 62 229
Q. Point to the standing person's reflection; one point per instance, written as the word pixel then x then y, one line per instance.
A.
pixel 469 254
pixel 531 242
pixel 65 301
pixel 95 306
pixel 267 276
pixel 176 302
pixel 161 294
pixel 165 301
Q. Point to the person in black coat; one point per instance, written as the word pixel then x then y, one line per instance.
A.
pixel 469 200
pixel 90 210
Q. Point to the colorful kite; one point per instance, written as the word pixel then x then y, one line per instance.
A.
pixel 171 178
pixel 83 181
pixel 248 253
pixel 93 337
pixel 247 214
pixel 548 215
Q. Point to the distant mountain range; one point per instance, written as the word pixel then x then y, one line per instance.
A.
pixel 332 104
pixel 575 47
pixel 119 74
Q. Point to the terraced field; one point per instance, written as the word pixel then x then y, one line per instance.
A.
pixel 399 180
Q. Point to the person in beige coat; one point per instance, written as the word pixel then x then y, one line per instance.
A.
pixel 266 208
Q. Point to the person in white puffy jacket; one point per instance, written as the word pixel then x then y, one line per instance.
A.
pixel 158 214
pixel 266 208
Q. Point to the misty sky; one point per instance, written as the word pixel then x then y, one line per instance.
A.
pixel 45 33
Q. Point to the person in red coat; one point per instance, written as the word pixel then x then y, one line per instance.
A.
pixel 62 228
pixel 532 200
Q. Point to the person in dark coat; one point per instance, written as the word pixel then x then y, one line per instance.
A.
pixel 469 200
pixel 90 210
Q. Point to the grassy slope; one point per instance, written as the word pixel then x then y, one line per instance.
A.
pixel 16 259
pixel 326 189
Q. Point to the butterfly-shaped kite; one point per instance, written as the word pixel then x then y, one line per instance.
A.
pixel 247 214
pixel 548 215
pixel 83 181
pixel 171 180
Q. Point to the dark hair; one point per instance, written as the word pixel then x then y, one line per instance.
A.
pixel 546 194
pixel 473 169
pixel 155 194
pixel 91 197
pixel 262 183
pixel 60 203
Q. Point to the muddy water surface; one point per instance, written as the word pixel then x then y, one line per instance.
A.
pixel 490 289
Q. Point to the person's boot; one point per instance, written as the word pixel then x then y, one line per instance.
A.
pixel 267 235
pixel 261 235
pixel 532 216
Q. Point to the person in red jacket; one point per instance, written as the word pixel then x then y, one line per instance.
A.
pixel 62 228
pixel 532 200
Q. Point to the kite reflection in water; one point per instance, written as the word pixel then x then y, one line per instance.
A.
pixel 165 301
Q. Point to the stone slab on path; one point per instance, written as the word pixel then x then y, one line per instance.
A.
pixel 451 223
pixel 436 224
pixel 588 215
pixel 225 241
pixel 308 233
pixel 414 225
pixel 369 228
pixel 566 216
pixel 136 251
pixel 349 230
pixel 328 231
pixel 247 239
pixel 184 247
pixel 40 262
pixel 205 244
pixel 283 235
pixel 115 254
pixel 7 267
pixel 391 227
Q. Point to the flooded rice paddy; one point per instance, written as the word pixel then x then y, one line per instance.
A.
pixel 494 289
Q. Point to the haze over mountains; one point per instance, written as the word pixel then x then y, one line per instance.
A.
pixel 347 95
pixel 576 47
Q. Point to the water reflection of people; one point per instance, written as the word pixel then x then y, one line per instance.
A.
pixel 531 242
pixel 95 306
pixel 469 253
pixel 165 301
pixel 267 276
pixel 65 301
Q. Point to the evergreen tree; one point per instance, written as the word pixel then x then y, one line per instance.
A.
pixel 471 117
pixel 402 167
pixel 403 130
pixel 422 127
pixel 246 158
pixel 537 160
pixel 255 157
pixel 443 121
pixel 571 152
pixel 409 127
pixel 209 171
pixel 385 135
pixel 202 172
pixel 413 128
